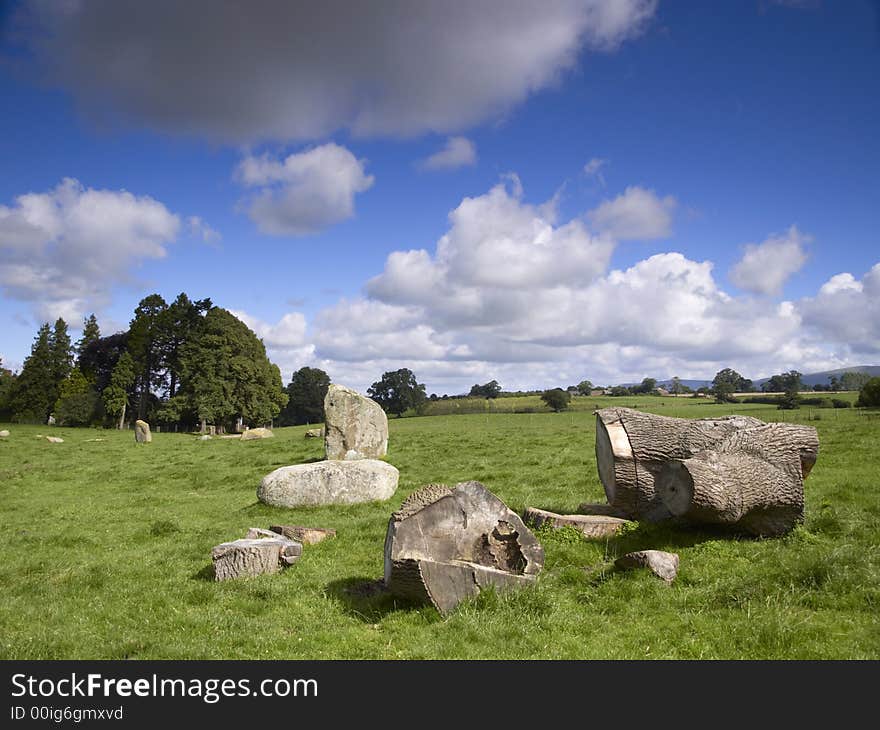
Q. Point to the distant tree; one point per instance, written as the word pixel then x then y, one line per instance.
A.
pixel 117 393
pixel 790 383
pixel 585 387
pixel 833 383
pixel 557 399
pixel 398 391
pixel 145 345
pixel 76 402
pixel 853 380
pixel 620 390
pixel 7 385
pixel 305 397
pixel 727 382
pixel 489 390
pixel 61 355
pixel 31 398
pixel 225 375
pixel 869 395
pixel 90 333
pixel 647 386
pixel 675 386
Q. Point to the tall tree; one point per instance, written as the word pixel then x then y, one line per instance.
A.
pixel 306 393
pixel 225 374
pixel 90 333
pixel 33 395
pixel 99 357
pixel 62 355
pixel 144 344
pixel 398 391
pixel 7 385
pixel 175 326
pixel 117 393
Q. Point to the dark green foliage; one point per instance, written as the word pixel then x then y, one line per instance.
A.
pixel 557 399
pixel 853 381
pixel 175 326
pixel 489 390
pixel 840 403
pixel 784 382
pixel 117 394
pixel 305 392
pixel 398 391
pixel 33 395
pixel 225 374
pixel 647 386
pixel 91 333
pixel 585 387
pixel 620 390
pixel 727 382
pixel 98 358
pixel 869 395
pixel 7 384
pixel 62 353
pixel 145 347
pixel 77 401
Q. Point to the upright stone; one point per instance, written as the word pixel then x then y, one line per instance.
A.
pixel 142 433
pixel 354 423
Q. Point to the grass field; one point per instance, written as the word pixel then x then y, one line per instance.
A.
pixel 106 545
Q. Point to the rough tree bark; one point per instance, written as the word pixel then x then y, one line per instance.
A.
pixel 754 479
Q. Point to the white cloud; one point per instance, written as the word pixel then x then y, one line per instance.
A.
pixel 594 169
pixel 305 192
pixel 765 267
pixel 458 152
pixel 65 249
pixel 635 214
pixel 200 229
pixel 297 71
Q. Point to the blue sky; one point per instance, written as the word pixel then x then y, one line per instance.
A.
pixel 535 193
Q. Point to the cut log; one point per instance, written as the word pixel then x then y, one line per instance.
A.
pixel 593 527
pixel 250 557
pixel 753 479
pixel 305 535
pixel 632 447
pixel 444 545
pixel 594 508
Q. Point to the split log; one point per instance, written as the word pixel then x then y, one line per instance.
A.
pixel 592 527
pixel 632 447
pixel 256 556
pixel 754 479
pixel 305 535
pixel 444 545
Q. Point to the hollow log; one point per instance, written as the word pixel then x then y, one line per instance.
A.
pixel 632 447
pixel 754 479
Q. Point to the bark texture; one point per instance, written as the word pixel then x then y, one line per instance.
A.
pixel 593 527
pixel 253 556
pixel 444 545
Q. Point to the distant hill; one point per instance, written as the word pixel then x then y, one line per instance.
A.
pixel 812 379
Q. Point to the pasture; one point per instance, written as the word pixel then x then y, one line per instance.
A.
pixel 105 551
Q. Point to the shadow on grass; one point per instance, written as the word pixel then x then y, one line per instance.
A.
pixel 367 599
pixel 205 574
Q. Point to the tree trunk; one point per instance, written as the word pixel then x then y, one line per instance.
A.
pixel 753 479
pixel 204 427
pixel 632 447
pixel 121 419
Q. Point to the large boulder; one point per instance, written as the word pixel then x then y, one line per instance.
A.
pixel 142 433
pixel 356 426
pixel 444 545
pixel 329 482
pixel 257 433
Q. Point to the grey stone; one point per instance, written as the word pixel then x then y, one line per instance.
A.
pixel 662 564
pixel 315 433
pixel 206 437
pixel 142 433
pixel 353 423
pixel 257 433
pixel 251 557
pixel 595 527
pixel 54 439
pixel 444 545
pixel 4 434
pixel 329 482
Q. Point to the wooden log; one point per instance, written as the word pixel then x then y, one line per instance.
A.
pixel 593 527
pixel 753 480
pixel 251 557
pixel 632 447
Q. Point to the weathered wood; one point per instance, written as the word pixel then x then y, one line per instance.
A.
pixel 251 557
pixel 632 447
pixel 753 479
pixel 594 527
pixel 444 545
pixel 594 508
pixel 305 535
pixel 662 564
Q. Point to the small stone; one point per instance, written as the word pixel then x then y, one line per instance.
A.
pixel 206 437
pixel 142 433
pixel 257 433
pixel 54 440
pixel 4 434
pixel 594 527
pixel 315 433
pixel 662 564
pixel 305 535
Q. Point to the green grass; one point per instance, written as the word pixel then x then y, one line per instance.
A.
pixel 106 552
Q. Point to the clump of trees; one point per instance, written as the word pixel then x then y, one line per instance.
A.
pixel 398 391
pixel 178 365
pixel 557 399
pixel 305 397
pixel 488 391
pixel 869 395
pixel 727 382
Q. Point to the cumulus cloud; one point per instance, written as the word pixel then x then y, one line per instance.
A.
pixel 765 267
pixel 304 192
pixel 65 249
pixel 286 342
pixel 635 214
pixel 249 72
pixel 458 152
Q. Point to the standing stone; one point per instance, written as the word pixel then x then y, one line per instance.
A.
pixel 444 545
pixel 142 433
pixel 250 557
pixel 329 482
pixel 354 423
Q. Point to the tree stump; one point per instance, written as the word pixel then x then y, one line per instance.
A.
pixel 632 448
pixel 444 545
pixel 253 556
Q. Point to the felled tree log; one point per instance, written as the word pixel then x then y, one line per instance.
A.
pixel 754 479
pixel 444 545
pixel 254 556
pixel 632 447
